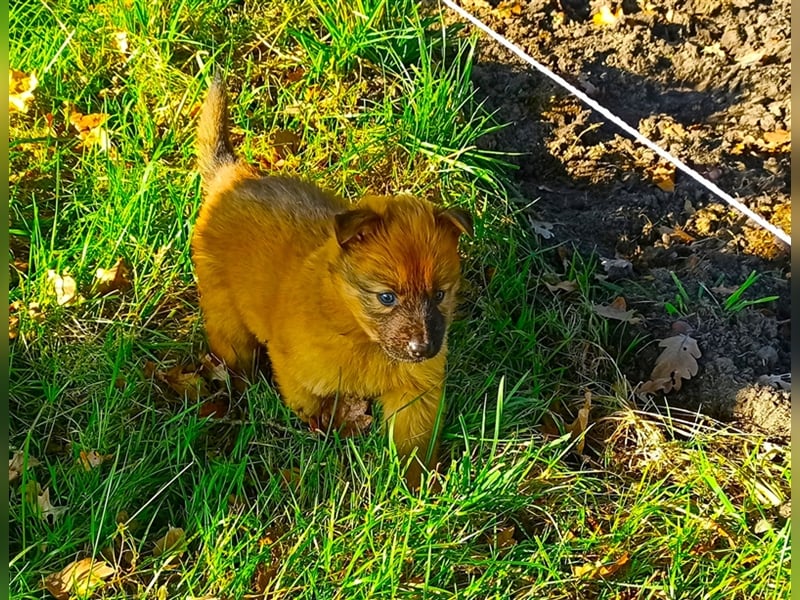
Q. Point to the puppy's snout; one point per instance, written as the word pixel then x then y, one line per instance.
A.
pixel 420 347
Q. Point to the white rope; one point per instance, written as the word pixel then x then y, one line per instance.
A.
pixel 776 231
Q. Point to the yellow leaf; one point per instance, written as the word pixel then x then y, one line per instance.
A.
pixel 174 541
pixel 65 287
pixel 90 129
pixel 79 578
pixel 93 459
pixel 606 18
pixel 581 422
pixel 20 90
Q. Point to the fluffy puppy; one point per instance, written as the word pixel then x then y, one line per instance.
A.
pixel 351 301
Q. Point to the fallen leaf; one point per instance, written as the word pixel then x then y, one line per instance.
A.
pixel 617 311
pixel 581 422
pixel 564 286
pixel 600 569
pixel 750 58
pixel 17 463
pixel 664 178
pixel 783 382
pixel 184 383
pixel 117 278
pixel 214 368
pixel 173 542
pixel 348 416
pixel 78 579
pixel 778 137
pixel 39 501
pixel 605 18
pixel 13 327
pixel 35 312
pixel 541 228
pixel 508 9
pixel 65 287
pixel 93 459
pixel 90 129
pixel 20 90
pixel 503 537
pixel 715 50
pixel 678 361
pixel 214 408
pixel 291 478
pixel 121 41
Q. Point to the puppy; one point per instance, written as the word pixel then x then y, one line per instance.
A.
pixel 350 301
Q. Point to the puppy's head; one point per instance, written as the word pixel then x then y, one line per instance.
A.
pixel 400 270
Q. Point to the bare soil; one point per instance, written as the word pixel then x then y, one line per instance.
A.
pixel 708 81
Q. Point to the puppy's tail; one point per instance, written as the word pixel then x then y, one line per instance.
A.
pixel 214 149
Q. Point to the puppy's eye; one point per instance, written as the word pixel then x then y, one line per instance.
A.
pixel 387 298
pixel 438 296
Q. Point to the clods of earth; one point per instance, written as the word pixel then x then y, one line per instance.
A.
pixel 710 83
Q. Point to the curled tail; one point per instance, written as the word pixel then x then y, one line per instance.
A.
pixel 214 148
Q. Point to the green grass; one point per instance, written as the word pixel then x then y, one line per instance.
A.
pixel 378 98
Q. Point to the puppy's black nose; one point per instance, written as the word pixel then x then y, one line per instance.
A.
pixel 420 348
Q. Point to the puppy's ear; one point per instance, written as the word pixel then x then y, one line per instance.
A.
pixel 354 225
pixel 458 218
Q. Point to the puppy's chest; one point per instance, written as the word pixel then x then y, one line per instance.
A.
pixel 353 373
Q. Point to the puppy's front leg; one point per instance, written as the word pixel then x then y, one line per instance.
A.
pixel 411 415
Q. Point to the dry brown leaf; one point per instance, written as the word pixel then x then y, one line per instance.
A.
pixel 750 58
pixel 93 459
pixel 508 9
pixel 173 542
pixel 678 361
pixel 664 177
pixel 599 569
pixel 351 417
pixel 188 383
pixel 18 463
pixel 503 537
pixel 715 50
pixel 581 422
pixel 65 287
pixel 39 501
pixel 291 478
pixel 35 312
pixel 78 579
pixel 215 408
pixel 564 286
pixel 214 368
pixel 616 310
pixel 13 327
pixel 20 90
pixel 606 18
pixel 117 278
pixel 91 130
pixel 778 137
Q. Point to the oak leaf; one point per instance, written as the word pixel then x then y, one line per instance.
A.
pixel 616 310
pixel 18 463
pixel 78 579
pixel 678 361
